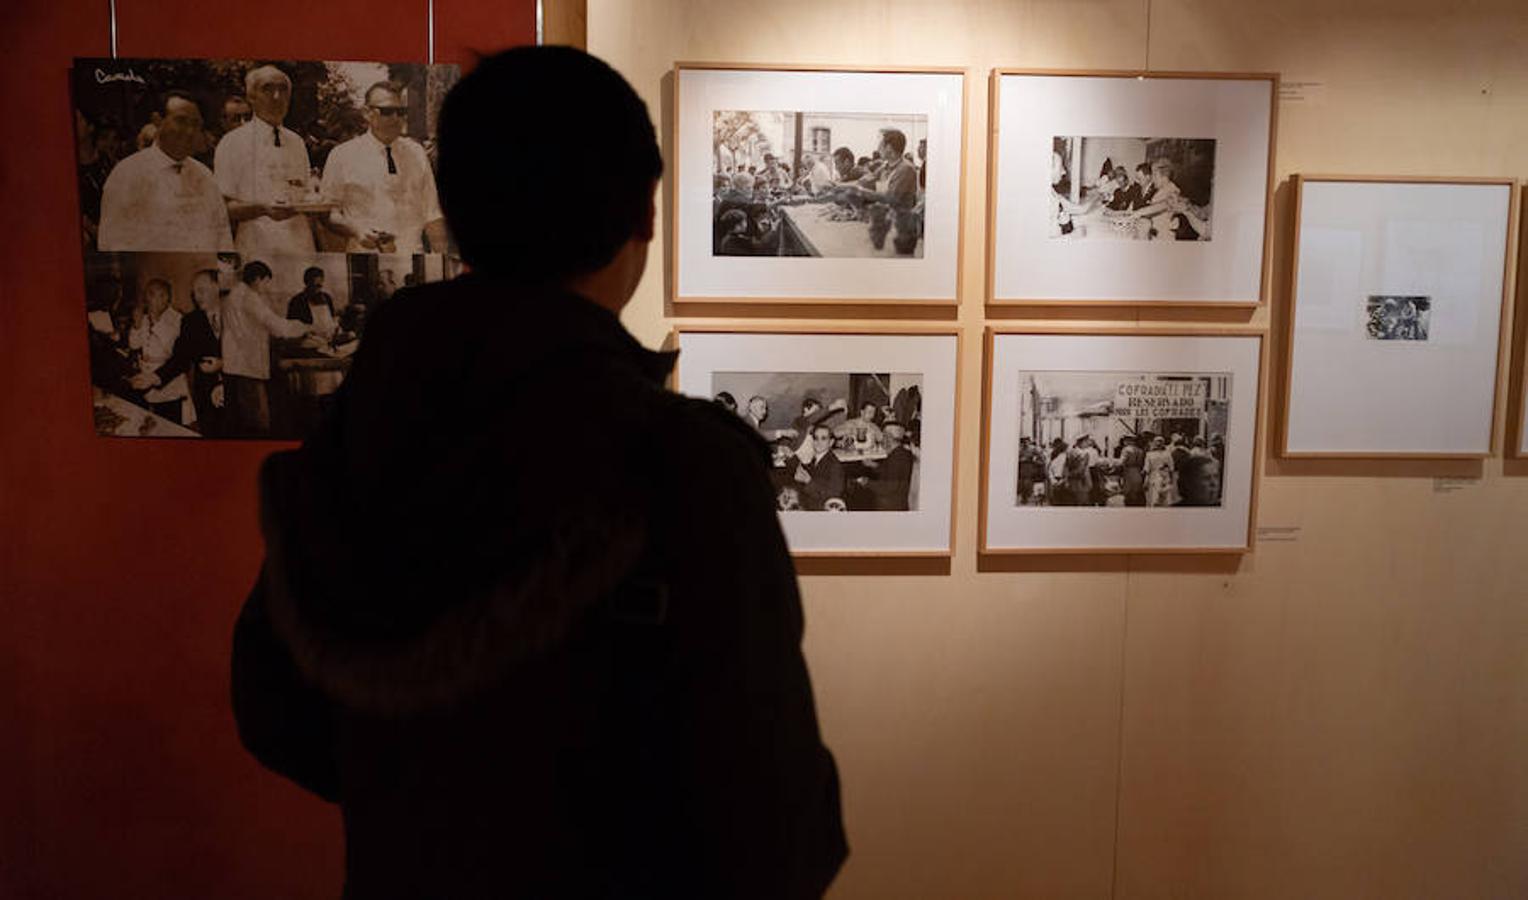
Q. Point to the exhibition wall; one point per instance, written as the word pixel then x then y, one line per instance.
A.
pixel 123 562
pixel 1342 712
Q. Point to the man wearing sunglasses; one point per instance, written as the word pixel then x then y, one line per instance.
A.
pixel 383 183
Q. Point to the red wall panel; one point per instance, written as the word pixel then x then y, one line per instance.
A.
pixel 123 562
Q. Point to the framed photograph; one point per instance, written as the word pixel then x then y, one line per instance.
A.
pixel 239 218
pixel 1120 440
pixel 1396 317
pixel 817 184
pixel 1122 188
pixel 861 425
pixel 1517 415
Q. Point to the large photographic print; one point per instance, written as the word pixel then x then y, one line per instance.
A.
pixel 1117 440
pixel 816 185
pixel 238 219
pixel 266 158
pixel 213 345
pixel 819 184
pixel 1123 188
pixel 1108 441
pixel 1130 189
pixel 841 441
pixel 860 426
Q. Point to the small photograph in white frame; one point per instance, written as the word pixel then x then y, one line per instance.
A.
pixel 1120 440
pixel 1394 326
pixel 817 185
pixel 861 425
pixel 1116 188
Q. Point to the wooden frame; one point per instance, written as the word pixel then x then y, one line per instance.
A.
pixel 1297 183
pixel 675 297
pixel 872 330
pixel 993 128
pixel 992 332
pixel 1517 389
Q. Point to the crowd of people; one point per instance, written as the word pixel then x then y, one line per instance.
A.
pixel 250 183
pixel 1398 318
pixel 884 191
pixel 1145 205
pixel 827 460
pixel 209 357
pixel 1144 470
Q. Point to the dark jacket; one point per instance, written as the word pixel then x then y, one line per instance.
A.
pixel 893 480
pixel 530 620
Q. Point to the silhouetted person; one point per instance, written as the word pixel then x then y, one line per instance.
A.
pixel 525 615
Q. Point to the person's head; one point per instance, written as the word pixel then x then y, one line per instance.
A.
pixel 862 162
pixel 758 407
pixel 563 188
pixel 1025 442
pixel 1161 172
pixel 843 161
pixel 256 274
pixel 822 439
pixel 313 278
pixel 810 406
pixel 236 111
pixel 893 144
pixel 204 289
pixel 733 221
pixel 896 435
pixel 1057 446
pixel 180 125
pixel 868 411
pixel 769 161
pixel 1121 177
pixel 1157 443
pixel 1200 481
pixel 386 113
pixel 156 296
pixel 1127 441
pixel 1198 442
pixel 1177 438
pixel 269 91
pixel 788 499
pixel 726 401
pixel 923 148
pixel 744 182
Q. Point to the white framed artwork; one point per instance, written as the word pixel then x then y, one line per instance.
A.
pixel 1130 188
pixel 861 427
pixel 1395 320
pixel 1123 440
pixel 817 185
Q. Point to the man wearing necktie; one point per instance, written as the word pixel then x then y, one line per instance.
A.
pixel 383 185
pixel 262 169
pixel 160 198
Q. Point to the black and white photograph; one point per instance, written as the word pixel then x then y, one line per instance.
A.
pixel 217 346
pixel 1136 189
pixel 818 184
pixel 1397 318
pixel 265 158
pixel 1118 440
pixel 842 442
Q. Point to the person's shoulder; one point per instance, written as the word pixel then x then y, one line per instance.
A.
pixel 706 427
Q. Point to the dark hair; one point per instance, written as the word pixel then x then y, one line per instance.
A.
pixel 309 273
pixel 844 153
pixel 178 94
pixel 895 138
pixel 726 399
pixel 1143 167
pixel 392 87
pixel 547 163
pixel 254 270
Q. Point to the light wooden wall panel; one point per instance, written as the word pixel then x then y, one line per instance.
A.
pixel 1344 715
